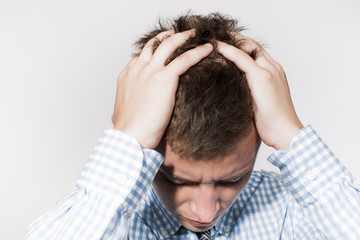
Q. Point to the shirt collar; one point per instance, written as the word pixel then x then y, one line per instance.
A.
pixel 235 214
pixel 166 224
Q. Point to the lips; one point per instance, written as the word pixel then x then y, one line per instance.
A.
pixel 200 224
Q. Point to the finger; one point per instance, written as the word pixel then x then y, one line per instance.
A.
pixel 132 61
pixel 113 119
pixel 147 51
pixel 241 59
pixel 169 45
pixel 270 59
pixel 262 53
pixel 246 43
pixel 188 59
pixel 249 44
pixel 263 59
pixel 264 62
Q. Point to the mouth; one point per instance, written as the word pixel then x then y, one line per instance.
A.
pixel 201 224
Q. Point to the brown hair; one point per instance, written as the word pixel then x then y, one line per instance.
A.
pixel 213 107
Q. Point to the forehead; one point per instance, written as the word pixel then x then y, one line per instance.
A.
pixel 241 159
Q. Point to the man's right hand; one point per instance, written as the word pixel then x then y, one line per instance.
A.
pixel 146 88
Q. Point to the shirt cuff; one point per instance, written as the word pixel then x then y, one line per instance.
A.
pixel 115 165
pixel 309 168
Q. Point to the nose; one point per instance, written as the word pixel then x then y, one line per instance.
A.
pixel 205 203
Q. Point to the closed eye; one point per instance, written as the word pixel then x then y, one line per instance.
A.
pixel 180 184
pixel 193 184
pixel 229 184
pixel 177 183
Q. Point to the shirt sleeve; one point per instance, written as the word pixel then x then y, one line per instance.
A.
pixel 113 181
pixel 326 192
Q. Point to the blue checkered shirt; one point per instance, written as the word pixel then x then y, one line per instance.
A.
pixel 314 197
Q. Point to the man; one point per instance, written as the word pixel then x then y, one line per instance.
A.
pixel 203 95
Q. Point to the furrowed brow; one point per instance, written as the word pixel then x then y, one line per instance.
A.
pixel 183 180
pixel 237 177
pixel 188 181
pixel 177 178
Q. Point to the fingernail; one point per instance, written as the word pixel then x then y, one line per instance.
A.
pixel 208 45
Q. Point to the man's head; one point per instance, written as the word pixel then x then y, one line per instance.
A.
pixel 213 107
pixel 211 143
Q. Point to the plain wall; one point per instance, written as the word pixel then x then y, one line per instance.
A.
pixel 59 61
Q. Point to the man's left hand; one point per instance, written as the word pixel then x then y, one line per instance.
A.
pixel 275 117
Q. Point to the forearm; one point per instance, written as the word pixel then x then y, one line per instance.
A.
pixel 115 177
pixel 326 192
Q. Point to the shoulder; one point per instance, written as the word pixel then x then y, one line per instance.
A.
pixel 266 186
pixel 261 177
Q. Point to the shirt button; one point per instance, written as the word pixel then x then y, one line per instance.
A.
pixel 123 178
pixel 227 229
pixel 311 175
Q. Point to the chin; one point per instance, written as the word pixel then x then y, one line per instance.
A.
pixel 196 229
pixel 196 226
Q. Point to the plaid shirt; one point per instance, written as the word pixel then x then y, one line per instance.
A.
pixel 315 197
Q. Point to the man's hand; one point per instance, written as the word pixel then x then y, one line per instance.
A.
pixel 275 117
pixel 146 88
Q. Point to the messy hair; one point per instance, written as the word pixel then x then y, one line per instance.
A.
pixel 213 108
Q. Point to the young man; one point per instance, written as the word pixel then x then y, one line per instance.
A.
pixel 189 114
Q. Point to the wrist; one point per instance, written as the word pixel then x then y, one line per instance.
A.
pixel 146 141
pixel 287 135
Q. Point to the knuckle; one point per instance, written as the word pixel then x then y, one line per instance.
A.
pixel 128 74
pixel 150 70
pixel 168 40
pixel 165 34
pixel 134 70
pixel 279 67
pixel 122 75
pixel 177 37
pixel 158 76
pixel 186 57
pixel 265 74
pixel 161 38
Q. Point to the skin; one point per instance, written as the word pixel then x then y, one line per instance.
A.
pixel 147 86
pixel 275 118
pixel 201 191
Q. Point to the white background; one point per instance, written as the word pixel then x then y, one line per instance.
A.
pixel 59 61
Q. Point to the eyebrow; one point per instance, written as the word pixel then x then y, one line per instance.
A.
pixel 187 181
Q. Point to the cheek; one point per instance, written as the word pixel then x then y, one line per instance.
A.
pixel 229 194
